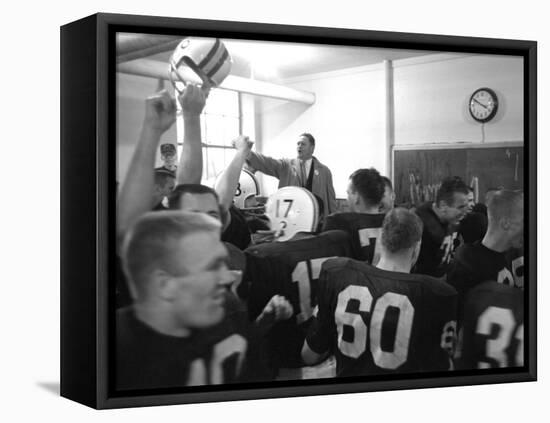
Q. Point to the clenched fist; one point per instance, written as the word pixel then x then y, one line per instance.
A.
pixel 160 111
pixel 243 144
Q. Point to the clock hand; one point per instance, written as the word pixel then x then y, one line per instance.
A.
pixel 481 104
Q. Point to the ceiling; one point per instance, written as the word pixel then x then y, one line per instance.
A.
pixel 275 61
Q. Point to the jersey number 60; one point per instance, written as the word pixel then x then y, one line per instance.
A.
pixel 361 294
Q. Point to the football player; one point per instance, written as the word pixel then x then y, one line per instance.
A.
pixel 134 197
pixel 492 330
pixel 178 331
pixel 440 219
pixel 290 269
pixel 487 260
pixel 380 320
pixel 473 226
pixel 365 191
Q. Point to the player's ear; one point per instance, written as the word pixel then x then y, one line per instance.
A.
pixel 164 284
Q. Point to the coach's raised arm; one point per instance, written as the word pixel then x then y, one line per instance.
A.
pixel 304 171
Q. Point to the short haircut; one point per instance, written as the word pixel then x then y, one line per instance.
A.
pixel 450 186
pixel 369 184
pixel 387 182
pixel 505 204
pixel 309 137
pixel 162 176
pixel 151 242
pixel 180 190
pixel 401 230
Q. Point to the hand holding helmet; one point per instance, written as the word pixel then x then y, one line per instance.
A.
pixel 203 61
pixel 193 99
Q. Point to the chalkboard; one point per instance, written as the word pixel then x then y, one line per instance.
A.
pixel 418 171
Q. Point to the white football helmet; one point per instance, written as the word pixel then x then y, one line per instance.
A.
pixel 206 57
pixel 291 210
pixel 246 192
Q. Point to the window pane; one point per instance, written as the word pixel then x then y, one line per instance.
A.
pixel 220 124
pixel 220 130
pixel 214 162
pixel 223 102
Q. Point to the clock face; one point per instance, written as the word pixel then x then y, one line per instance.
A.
pixel 483 105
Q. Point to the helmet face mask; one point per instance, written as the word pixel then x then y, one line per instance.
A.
pixel 291 210
pixel 205 58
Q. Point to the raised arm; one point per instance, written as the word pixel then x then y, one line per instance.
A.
pixel 265 164
pixel 135 196
pixel 227 184
pixel 192 102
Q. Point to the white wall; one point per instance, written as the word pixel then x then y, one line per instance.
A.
pixel 347 121
pixel 432 95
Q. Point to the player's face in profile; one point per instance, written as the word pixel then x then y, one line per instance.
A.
pixel 458 209
pixel 304 148
pixel 471 201
pixel 202 278
pixel 387 200
pixel 202 203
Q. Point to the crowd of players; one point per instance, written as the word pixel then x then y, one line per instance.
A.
pixel 205 297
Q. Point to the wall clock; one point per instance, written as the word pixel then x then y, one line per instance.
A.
pixel 483 105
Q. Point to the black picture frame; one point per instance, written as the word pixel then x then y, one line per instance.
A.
pixel 88 193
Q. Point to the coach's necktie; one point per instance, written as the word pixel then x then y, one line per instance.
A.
pixel 303 172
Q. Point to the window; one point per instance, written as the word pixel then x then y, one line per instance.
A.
pixel 220 124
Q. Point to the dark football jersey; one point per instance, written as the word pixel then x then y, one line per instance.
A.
pixel 474 264
pixel 438 244
pixel 225 353
pixel 515 260
pixel 290 269
pixel 380 322
pixel 492 332
pixel 237 233
pixel 472 228
pixel 364 229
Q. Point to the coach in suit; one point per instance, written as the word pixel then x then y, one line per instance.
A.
pixel 304 171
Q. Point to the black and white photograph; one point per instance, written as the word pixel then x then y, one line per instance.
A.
pixel 284 216
pixel 292 211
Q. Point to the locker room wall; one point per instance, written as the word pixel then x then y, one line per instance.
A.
pixel 431 94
